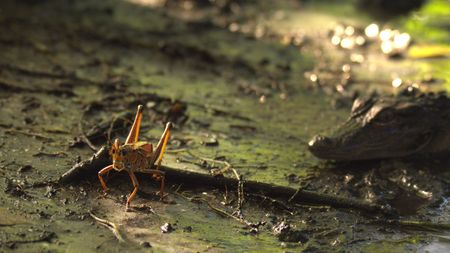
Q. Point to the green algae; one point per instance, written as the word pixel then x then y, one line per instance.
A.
pixel 430 23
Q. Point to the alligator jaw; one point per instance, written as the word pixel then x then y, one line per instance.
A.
pixel 323 147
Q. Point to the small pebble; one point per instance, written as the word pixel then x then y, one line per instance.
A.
pixel 167 228
pixel 187 229
pixel 146 245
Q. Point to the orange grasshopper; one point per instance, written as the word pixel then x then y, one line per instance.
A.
pixel 137 156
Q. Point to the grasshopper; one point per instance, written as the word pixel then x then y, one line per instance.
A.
pixel 137 156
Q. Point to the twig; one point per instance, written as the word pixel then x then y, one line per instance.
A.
pixel 415 224
pixel 6 85
pixel 55 131
pixel 7 164
pixel 178 188
pixel 110 129
pixel 40 184
pixel 326 233
pixel 226 164
pixel 175 151
pixel 224 213
pixel 273 201
pixel 85 139
pixel 42 74
pixel 190 199
pixel 220 112
pixel 56 154
pixel 110 225
pixel 226 168
pixel 10 225
pixel 86 167
pixel 33 73
pixel 294 195
pixel 101 159
pixel 221 212
pixel 240 191
pixel 323 207
pixel 28 133
pixel 6 125
pixel 103 127
pixel 44 237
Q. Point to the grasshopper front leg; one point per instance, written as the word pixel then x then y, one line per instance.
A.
pixel 135 190
pixel 100 176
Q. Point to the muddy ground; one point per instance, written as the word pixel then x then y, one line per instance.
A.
pixel 246 84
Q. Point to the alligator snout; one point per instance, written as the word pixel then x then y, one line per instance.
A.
pixel 319 144
pixel 326 148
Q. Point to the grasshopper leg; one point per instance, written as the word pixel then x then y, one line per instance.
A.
pixel 133 136
pixel 136 187
pixel 100 176
pixel 159 151
pixel 159 175
pixel 158 155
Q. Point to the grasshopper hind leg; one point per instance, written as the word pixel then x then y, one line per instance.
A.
pixel 133 136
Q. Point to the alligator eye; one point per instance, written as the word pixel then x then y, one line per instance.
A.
pixel 385 117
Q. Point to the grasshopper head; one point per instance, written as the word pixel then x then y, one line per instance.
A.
pixel 116 154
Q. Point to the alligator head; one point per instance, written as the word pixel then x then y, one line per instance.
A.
pixel 389 127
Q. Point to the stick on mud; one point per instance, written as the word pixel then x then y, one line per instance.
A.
pixel 90 167
pixel 87 167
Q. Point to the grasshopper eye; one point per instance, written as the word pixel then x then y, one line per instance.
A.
pixel 124 152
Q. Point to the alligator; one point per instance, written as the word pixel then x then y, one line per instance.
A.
pixel 407 124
